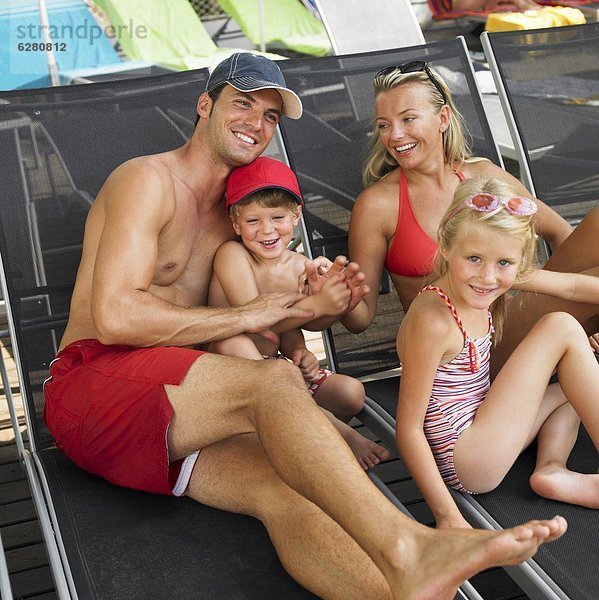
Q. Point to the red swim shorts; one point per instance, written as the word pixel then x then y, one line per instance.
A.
pixel 107 409
pixel 323 375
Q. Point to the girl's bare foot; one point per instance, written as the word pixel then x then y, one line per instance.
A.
pixel 557 482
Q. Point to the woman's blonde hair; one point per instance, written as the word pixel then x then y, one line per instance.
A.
pixel 455 146
pixel 458 219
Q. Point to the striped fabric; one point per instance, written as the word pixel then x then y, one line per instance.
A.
pixel 459 388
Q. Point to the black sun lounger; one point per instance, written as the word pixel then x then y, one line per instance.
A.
pixel 58 146
pixel 327 149
pixel 548 84
pixel 337 91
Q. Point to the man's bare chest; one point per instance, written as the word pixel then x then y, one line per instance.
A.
pixel 184 261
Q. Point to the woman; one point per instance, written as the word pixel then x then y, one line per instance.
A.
pixel 418 157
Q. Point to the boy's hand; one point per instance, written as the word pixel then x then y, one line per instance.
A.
pixel 307 363
pixel 354 279
pixel 334 296
pixel 311 280
pixel 316 274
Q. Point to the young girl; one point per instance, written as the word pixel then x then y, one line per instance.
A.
pixel 452 425
pixel 265 204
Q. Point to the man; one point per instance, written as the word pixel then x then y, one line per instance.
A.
pixel 129 399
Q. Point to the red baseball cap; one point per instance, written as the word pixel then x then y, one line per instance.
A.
pixel 262 173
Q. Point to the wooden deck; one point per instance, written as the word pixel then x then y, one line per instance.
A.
pixel 21 535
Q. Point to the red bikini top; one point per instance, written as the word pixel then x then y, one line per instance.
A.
pixel 412 251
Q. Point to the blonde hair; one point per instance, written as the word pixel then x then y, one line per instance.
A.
pixel 268 198
pixel 458 219
pixel 455 146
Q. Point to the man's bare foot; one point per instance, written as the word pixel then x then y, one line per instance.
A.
pixel 368 453
pixel 556 482
pixel 433 563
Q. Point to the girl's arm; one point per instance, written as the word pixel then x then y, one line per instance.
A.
pixel 575 287
pixel 421 348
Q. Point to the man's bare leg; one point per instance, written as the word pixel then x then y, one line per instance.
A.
pixel 314 549
pixel 579 253
pixel 222 397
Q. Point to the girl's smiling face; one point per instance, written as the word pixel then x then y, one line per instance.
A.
pixel 482 265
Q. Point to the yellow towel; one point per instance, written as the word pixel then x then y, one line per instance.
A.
pixel 548 16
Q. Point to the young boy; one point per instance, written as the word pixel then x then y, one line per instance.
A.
pixel 265 204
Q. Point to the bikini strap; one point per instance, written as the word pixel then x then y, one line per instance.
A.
pixel 404 192
pixel 459 174
pixel 472 349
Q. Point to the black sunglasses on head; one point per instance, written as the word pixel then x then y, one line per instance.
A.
pixel 416 66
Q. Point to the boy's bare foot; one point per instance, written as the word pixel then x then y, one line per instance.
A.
pixel 556 482
pixel 368 453
pixel 432 564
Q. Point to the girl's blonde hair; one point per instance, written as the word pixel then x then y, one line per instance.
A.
pixel 458 219
pixel 455 146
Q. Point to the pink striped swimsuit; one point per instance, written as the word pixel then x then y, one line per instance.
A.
pixel 459 388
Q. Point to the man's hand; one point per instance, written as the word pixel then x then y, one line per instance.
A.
pixel 594 341
pixel 307 363
pixel 266 310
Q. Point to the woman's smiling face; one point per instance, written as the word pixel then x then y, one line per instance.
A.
pixel 408 126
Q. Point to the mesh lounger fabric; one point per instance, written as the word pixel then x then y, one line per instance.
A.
pixel 127 544
pixel 326 148
pixel 551 78
pixel 398 28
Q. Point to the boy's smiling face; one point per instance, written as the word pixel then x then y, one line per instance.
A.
pixel 265 232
